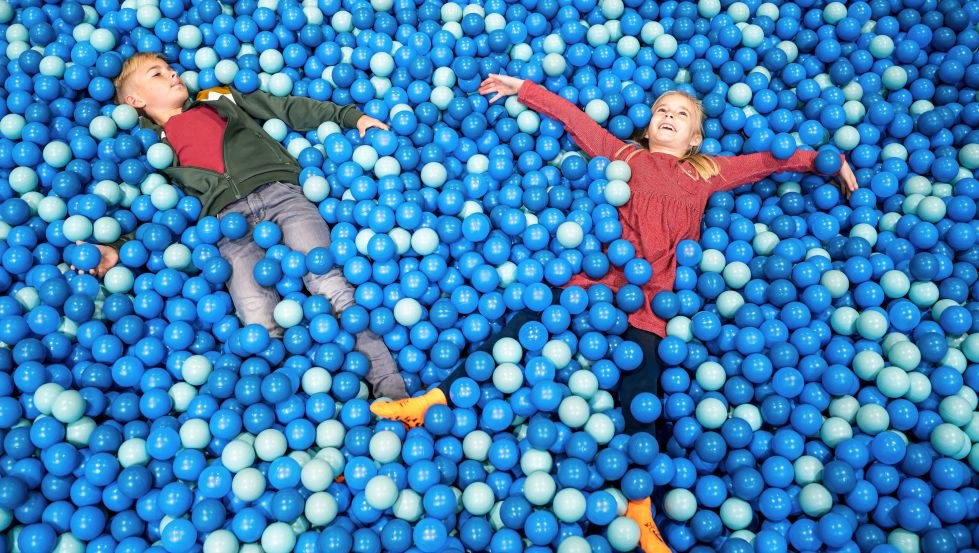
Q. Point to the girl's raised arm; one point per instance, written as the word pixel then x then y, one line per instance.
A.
pixel 738 170
pixel 587 134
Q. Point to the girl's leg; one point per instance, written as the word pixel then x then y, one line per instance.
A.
pixel 650 540
pixel 510 330
pixel 644 379
pixel 412 411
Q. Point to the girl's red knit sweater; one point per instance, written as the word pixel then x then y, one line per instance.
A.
pixel 666 203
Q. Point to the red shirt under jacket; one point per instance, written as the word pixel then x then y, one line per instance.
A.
pixel 196 137
pixel 666 204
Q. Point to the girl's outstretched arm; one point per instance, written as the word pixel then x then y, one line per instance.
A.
pixel 501 85
pixel 738 170
pixel 587 134
pixel 848 181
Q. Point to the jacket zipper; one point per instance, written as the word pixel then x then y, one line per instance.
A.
pixel 224 154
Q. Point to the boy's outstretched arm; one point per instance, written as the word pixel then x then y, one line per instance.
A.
pixel 367 122
pixel 109 259
pixel 302 114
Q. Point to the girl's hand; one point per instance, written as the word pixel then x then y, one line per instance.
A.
pixel 366 122
pixel 502 85
pixel 110 257
pixel 848 181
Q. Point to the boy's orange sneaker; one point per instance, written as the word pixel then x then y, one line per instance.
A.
pixel 410 411
pixel 650 540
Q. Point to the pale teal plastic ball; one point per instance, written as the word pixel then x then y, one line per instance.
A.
pixel 570 234
pixel 381 492
pixel 539 488
pixel 280 84
pixel 382 64
pixel 969 156
pixel 12 125
pixel 736 513
pixel 872 325
pixel 478 498
pixel 618 170
pixel 434 174
pixel 278 537
pixel 77 227
pixel 164 197
pixel 815 500
pixel 56 153
pixel 118 280
pixel 23 179
pixel 617 193
pixel 893 382
pixel 507 350
pixel 895 284
pixel 68 406
pixel 569 505
pixel 177 256
pixel 955 410
pixel 288 313
pixel 711 376
pixel 316 188
pixel 948 439
pixel 905 355
pixel 225 71
pixel 623 534
pixel 554 64
pixel 102 127
pixel 680 504
pixel 895 77
pixel 189 37
pixel 598 110
pixel 665 46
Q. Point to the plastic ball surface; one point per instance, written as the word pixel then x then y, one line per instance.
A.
pixel 817 386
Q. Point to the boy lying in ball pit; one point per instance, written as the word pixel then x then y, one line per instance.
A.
pixel 232 165
pixel 671 183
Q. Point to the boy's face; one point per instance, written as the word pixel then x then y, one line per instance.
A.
pixel 155 86
pixel 673 123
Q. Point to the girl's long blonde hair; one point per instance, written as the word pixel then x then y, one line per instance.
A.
pixel 703 165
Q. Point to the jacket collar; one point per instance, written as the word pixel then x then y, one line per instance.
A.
pixel 147 123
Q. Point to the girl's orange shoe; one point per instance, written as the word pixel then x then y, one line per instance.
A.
pixel 650 540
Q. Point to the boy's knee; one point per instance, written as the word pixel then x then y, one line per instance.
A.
pixel 335 288
pixel 258 310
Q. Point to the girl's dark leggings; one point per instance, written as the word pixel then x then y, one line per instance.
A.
pixel 643 379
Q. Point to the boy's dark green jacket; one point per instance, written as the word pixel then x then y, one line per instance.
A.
pixel 251 157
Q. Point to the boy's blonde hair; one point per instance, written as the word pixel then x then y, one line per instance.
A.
pixel 703 165
pixel 128 68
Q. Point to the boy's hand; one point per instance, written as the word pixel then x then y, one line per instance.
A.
pixel 848 181
pixel 502 85
pixel 366 122
pixel 110 257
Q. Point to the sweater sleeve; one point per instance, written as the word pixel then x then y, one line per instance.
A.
pixel 122 240
pixel 302 114
pixel 738 170
pixel 586 133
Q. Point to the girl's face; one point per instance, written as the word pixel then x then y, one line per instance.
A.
pixel 675 125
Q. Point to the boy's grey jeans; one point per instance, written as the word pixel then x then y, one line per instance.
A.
pixel 303 229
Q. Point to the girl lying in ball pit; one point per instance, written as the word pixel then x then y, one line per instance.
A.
pixel 671 183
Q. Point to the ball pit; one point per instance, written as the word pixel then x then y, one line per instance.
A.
pixel 823 353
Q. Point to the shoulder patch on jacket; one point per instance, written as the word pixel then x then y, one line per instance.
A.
pixel 211 94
